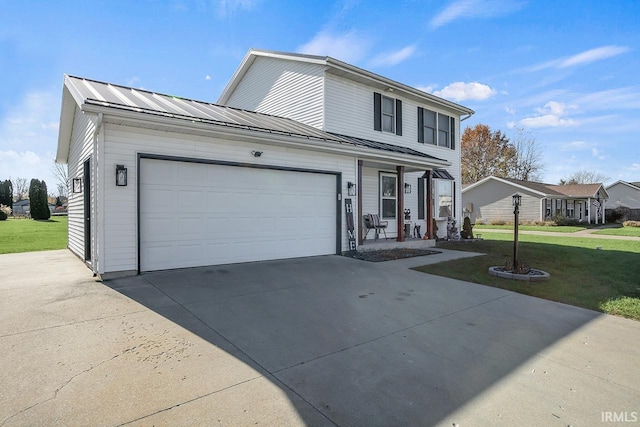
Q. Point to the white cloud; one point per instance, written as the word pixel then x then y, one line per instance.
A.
pixel 207 77
pixel 597 154
pixel 348 47
pixel 593 55
pixel 474 9
pixel 576 146
pixel 428 88
pixel 226 7
pixel 510 110
pixel 29 136
pixel 393 58
pixel 582 58
pixel 549 116
pixel 461 91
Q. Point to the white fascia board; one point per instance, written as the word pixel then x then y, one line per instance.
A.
pixel 131 118
pixel 504 181
pixel 622 182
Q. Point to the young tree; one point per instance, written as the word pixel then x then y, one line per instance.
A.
pixel 60 172
pixel 6 193
pixel 485 153
pixel 527 163
pixel 20 189
pixel 584 177
pixel 38 200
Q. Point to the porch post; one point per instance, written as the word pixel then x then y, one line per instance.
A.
pixel 588 210
pixel 604 210
pixel 400 213
pixel 429 215
pixel 359 195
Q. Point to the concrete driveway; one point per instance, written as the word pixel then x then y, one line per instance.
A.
pixel 313 341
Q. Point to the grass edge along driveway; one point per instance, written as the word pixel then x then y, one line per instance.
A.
pixel 605 280
pixel 29 235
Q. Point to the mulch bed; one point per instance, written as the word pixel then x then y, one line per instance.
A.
pixel 388 254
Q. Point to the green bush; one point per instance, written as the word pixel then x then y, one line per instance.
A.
pixel 615 215
pixel 562 220
pixel 3 216
pixel 38 203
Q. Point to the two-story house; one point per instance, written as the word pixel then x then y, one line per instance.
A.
pixel 302 149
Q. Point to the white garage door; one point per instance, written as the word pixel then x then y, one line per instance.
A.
pixel 194 214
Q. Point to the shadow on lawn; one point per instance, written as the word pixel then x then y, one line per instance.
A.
pixel 355 343
pixel 585 277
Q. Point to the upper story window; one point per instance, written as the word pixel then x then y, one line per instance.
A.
pixel 436 128
pixel 387 114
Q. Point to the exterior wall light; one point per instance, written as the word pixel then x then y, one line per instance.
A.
pixel 407 188
pixel 76 185
pixel 351 188
pixel 255 153
pixel 121 176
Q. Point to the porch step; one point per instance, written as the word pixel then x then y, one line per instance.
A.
pixel 375 245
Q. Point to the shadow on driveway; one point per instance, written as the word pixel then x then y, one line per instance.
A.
pixel 357 343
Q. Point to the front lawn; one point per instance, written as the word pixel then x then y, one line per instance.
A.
pixel 28 235
pixel 622 231
pixel 606 280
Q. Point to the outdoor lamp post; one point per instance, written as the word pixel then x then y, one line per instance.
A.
pixel 516 211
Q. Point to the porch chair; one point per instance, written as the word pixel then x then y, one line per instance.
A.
pixel 372 222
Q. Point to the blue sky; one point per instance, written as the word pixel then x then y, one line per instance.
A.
pixel 566 72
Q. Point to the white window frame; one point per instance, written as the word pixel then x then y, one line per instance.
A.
pixel 393 197
pixel 436 131
pixel 436 198
pixel 392 115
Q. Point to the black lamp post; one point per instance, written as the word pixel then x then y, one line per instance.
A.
pixel 516 211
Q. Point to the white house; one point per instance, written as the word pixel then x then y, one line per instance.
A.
pixel 160 182
pixel 490 199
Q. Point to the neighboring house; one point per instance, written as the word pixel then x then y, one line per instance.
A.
pixel 490 199
pixel 161 182
pixel 624 194
pixel 22 207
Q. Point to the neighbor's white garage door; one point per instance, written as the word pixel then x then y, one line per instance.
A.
pixel 195 214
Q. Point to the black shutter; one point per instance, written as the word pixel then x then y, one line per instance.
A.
pixel 453 205
pixel 453 133
pixel 421 198
pixel 398 117
pixel 377 111
pixel 421 125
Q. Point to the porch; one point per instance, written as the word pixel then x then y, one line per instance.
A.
pixel 393 243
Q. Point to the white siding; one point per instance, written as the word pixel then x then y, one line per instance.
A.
pixel 282 88
pixel 623 195
pixel 81 148
pixel 122 144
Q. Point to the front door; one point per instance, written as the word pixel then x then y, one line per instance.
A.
pixel 389 200
pixel 87 209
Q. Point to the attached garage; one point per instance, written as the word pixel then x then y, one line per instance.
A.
pixel 196 213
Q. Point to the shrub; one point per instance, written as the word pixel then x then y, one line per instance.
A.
pixel 467 232
pixel 631 223
pixel 3 215
pixel 38 203
pixel 562 220
pixel 617 214
pixel 497 222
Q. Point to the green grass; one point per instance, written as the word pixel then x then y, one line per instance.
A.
pixel 622 231
pixel 555 228
pixel 606 280
pixel 28 235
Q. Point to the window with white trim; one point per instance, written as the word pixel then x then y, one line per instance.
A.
pixel 388 196
pixel 387 114
pixel 443 198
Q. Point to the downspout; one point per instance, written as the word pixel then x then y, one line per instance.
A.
pixel 97 187
pixel 468 116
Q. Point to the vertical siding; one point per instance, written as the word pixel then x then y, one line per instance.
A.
pixel 80 150
pixel 282 88
pixel 122 144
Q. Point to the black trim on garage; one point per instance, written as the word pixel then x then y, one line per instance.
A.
pixel 338 176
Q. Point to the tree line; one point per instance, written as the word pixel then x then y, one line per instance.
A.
pixel 491 153
pixel 37 192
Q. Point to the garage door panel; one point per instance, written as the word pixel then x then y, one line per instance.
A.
pixel 214 214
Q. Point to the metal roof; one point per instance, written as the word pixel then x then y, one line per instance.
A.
pixel 87 92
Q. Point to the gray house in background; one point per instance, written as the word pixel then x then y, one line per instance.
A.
pixel 624 194
pixel 22 207
pixel 490 200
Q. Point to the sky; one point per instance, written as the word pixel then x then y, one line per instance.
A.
pixel 564 73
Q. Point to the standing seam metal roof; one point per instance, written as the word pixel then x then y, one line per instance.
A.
pixel 142 101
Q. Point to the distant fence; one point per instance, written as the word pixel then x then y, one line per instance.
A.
pixel 629 214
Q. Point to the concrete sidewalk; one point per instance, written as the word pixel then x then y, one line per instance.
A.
pixel 311 341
